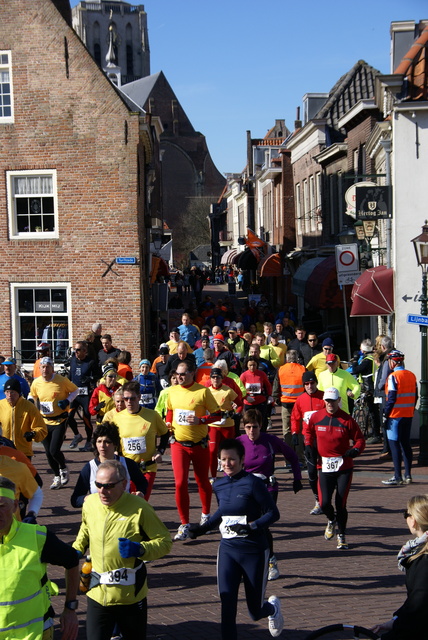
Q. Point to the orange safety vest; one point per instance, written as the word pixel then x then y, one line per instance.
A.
pixel 404 406
pixel 290 379
pixel 203 372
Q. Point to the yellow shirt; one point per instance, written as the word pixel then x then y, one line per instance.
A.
pixel 224 398
pixel 21 476
pixel 49 393
pixel 317 363
pixel 197 400
pixel 173 346
pixel 17 420
pixel 138 433
pixel 281 350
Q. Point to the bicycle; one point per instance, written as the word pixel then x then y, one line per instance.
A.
pixel 362 415
pixel 343 632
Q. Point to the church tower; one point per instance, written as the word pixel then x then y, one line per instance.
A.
pixel 117 31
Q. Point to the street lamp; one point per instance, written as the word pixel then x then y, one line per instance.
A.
pixel 420 244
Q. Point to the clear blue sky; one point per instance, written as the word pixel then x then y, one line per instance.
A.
pixel 240 64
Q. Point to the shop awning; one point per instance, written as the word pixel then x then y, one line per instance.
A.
pixel 228 256
pixel 316 281
pixel 249 259
pixel 270 267
pixel 373 293
pixel 159 268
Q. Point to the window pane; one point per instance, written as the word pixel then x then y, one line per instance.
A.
pixel 25 300
pixel 59 300
pixel 48 223
pixel 42 295
pixel 48 205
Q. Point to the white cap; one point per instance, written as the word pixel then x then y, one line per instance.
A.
pixel 331 394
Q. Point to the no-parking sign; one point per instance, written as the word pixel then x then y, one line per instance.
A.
pixel 347 263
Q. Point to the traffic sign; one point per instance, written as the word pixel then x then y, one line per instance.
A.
pixel 125 260
pixel 412 319
pixel 347 263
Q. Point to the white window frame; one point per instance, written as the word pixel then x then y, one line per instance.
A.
pixel 14 234
pixel 306 205
pixel 312 211
pixel 15 287
pixel 7 66
pixel 298 210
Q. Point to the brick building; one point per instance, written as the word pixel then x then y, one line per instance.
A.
pixel 75 160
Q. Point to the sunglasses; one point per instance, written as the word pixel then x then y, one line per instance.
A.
pixel 182 375
pixel 312 339
pixel 406 514
pixel 106 485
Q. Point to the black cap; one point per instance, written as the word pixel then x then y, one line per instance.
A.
pixel 309 376
pixel 12 385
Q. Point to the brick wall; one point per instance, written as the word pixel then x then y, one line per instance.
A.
pixel 68 117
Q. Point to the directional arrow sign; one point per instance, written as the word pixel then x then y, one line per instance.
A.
pixel 411 319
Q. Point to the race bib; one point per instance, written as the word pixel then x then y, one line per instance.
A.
pixel 122 576
pixel 46 408
pixel 377 400
pixel 181 415
pixel 329 465
pixel 134 445
pixel 307 415
pixel 146 398
pixel 83 391
pixel 254 388
pixel 226 521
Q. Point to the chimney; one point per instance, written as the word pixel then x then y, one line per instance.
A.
pixel 297 122
pixel 403 34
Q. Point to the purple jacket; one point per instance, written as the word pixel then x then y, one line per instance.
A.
pixel 259 456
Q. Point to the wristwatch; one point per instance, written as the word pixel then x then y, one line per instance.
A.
pixel 71 604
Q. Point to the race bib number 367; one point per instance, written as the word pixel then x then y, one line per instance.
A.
pixel 329 465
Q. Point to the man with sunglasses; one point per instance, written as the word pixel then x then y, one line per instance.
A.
pixel 139 429
pixel 328 436
pixel 190 409
pixel 122 531
pixel 317 363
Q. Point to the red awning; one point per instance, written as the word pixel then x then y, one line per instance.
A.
pixel 159 268
pixel 270 267
pixel 316 281
pixel 373 293
pixel 228 256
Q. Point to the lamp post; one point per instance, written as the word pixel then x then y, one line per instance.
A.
pixel 420 244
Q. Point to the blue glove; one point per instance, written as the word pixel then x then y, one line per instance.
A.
pixel 130 549
pixel 63 404
pixel 79 553
pixel 30 518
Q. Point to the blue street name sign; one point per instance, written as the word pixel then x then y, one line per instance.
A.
pixel 125 260
pixel 411 319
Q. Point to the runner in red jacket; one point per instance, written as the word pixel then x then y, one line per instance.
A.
pixel 333 429
pixel 307 403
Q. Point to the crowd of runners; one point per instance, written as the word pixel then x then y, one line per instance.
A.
pixel 208 397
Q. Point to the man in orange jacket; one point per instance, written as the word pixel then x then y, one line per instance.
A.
pixel 401 393
pixel 287 388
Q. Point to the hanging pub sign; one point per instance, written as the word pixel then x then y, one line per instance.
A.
pixel 373 203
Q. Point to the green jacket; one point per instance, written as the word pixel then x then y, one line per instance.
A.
pixel 130 517
pixel 24 584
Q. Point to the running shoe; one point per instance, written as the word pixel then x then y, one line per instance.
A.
pixel 77 438
pixel 64 476
pixel 392 482
pixel 269 425
pixel 273 569
pixel 182 533
pixel 316 511
pixel 330 529
pixel 204 519
pixel 406 480
pixel 87 447
pixel 276 621
pixel 374 440
pixel 341 541
pixel 56 484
